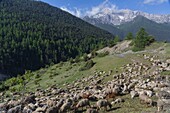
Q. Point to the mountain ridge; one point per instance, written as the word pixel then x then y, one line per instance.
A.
pixel 118 17
pixel 117 22
pixel 159 31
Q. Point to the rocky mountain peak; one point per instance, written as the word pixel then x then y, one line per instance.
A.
pixel 117 17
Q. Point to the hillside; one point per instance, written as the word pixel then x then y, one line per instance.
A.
pixel 34 34
pixel 65 80
pixel 105 26
pixel 112 29
pixel 159 31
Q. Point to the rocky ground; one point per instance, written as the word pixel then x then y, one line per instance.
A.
pixel 119 48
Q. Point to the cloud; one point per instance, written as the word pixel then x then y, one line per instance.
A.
pixel 106 6
pixel 76 12
pixel 153 2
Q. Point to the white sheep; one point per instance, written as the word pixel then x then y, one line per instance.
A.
pixel 27 110
pixel 163 95
pixel 103 103
pixel 52 110
pixel 160 105
pixel 82 103
pixel 16 109
pixel 60 103
pixel 143 97
pixel 149 93
pixel 134 94
pixel 65 107
pixel 162 102
pixel 50 103
pixel 118 100
pixel 90 110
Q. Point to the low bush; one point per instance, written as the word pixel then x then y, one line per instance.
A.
pixel 89 64
pixel 103 54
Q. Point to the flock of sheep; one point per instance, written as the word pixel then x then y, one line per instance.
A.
pixel 93 95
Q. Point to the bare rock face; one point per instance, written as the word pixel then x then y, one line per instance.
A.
pixel 116 49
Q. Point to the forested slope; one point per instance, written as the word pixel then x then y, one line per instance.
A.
pixel 34 34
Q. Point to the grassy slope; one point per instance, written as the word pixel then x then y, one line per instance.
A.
pixel 66 72
pixel 59 72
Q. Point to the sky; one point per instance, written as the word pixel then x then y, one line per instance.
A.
pixel 82 8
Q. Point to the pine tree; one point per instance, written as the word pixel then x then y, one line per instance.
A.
pixel 116 39
pixel 129 36
pixel 142 39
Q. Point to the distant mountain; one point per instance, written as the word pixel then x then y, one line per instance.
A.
pixel 120 22
pixel 34 34
pixel 118 17
pixel 159 31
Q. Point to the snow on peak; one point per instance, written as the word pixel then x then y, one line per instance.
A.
pixel 111 15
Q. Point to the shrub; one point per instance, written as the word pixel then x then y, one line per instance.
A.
pixel 51 76
pixel 12 81
pixel 2 86
pixel 13 89
pixel 70 67
pixel 37 81
pixel 129 36
pixel 135 49
pixel 37 76
pixel 77 59
pixel 71 61
pixel 89 64
pixel 85 57
pixel 93 54
pixel 102 54
pixel 114 42
pixel 61 64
